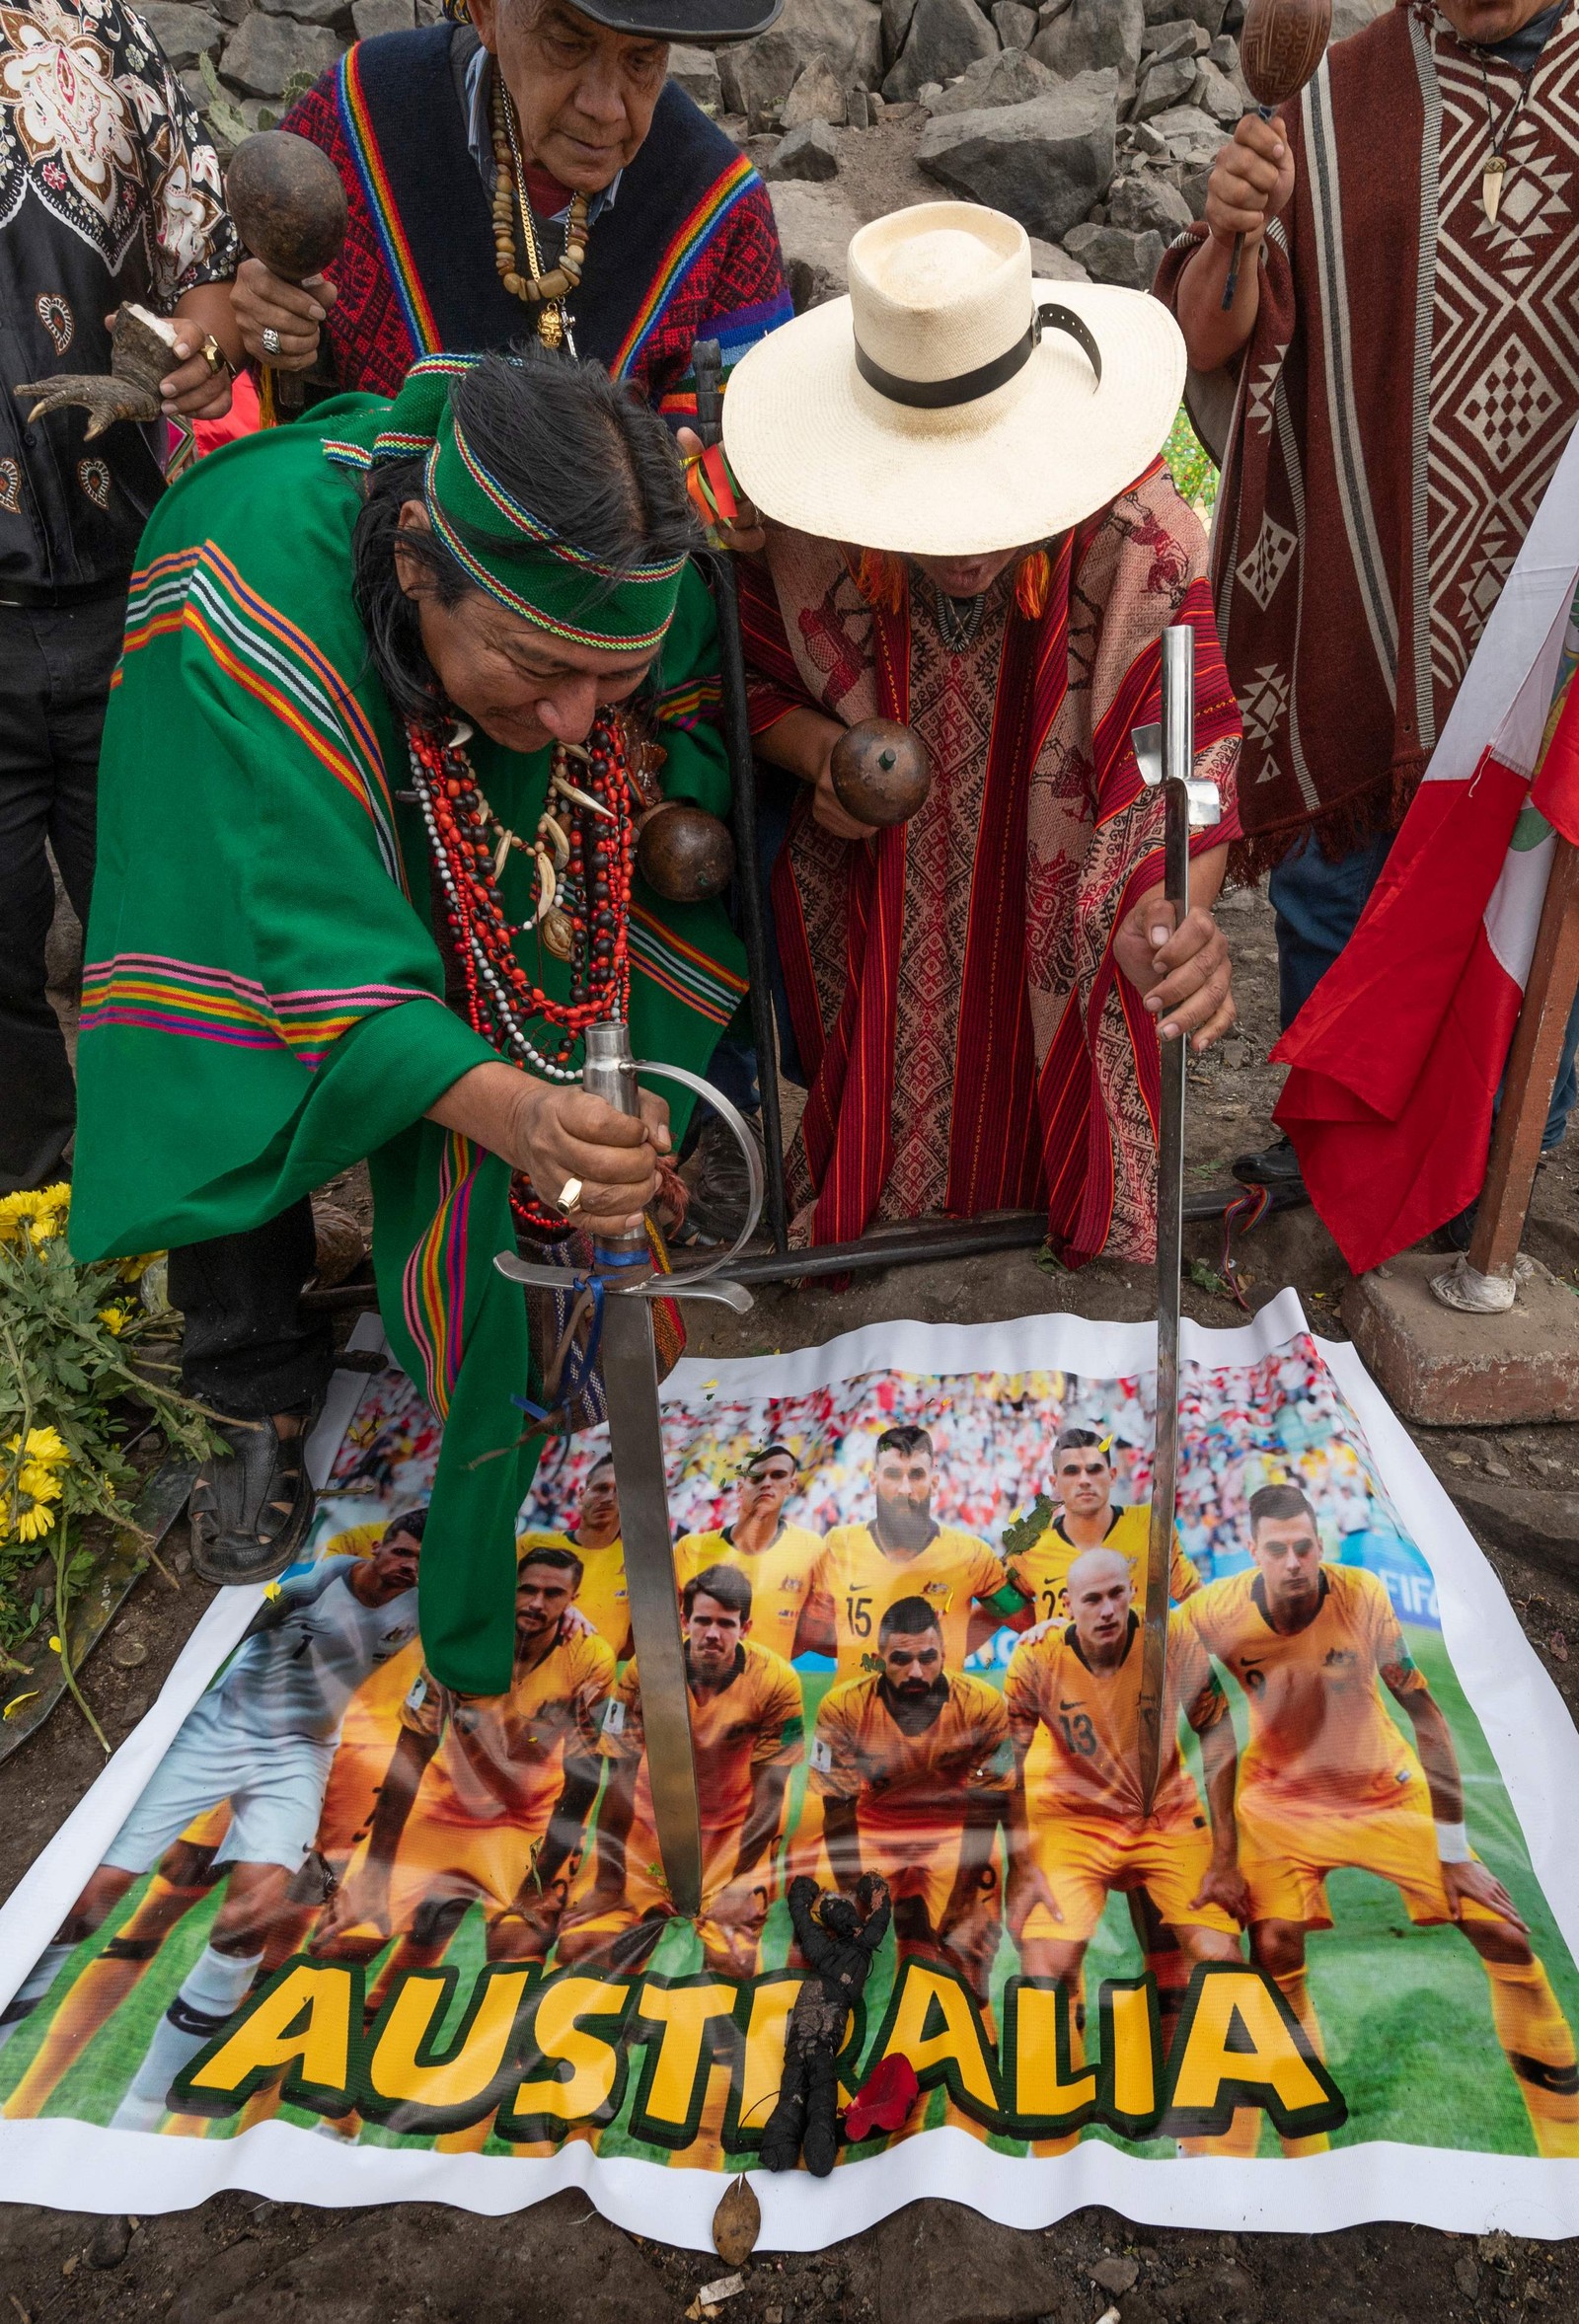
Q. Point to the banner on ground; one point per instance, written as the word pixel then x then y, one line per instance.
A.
pixel 325 1931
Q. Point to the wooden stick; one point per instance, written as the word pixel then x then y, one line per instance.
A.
pixel 1531 1070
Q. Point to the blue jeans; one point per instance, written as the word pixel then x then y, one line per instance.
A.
pixel 1319 904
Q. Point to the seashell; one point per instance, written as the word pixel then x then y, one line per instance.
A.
pixel 736 2223
pixel 141 354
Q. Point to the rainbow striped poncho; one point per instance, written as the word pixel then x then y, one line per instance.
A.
pixel 264 1004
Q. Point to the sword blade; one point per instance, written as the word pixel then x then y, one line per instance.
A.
pixel 636 1439
pixel 1178 758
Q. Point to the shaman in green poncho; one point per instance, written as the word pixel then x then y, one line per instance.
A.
pixel 265 1001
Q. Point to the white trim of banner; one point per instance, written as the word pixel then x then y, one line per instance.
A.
pixel 1527 1729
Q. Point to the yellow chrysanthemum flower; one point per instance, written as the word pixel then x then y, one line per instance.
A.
pixel 45 1444
pixel 115 1320
pixel 16 1210
pixel 34 1521
pixel 131 1270
pixel 42 1484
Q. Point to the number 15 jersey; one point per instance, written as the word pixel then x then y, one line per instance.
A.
pixel 864 1581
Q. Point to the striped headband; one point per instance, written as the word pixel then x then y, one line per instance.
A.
pixel 517 559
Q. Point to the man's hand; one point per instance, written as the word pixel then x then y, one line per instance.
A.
pixel 362 1901
pixel 742 1905
pixel 558 1134
pixel 1251 180
pixel 1227 1886
pixel 1471 1883
pixel 1028 1887
pixel 826 806
pixel 745 535
pixel 193 389
pixel 1183 972
pixel 573 1624
pixel 262 302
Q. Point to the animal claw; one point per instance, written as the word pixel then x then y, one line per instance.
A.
pixel 102 395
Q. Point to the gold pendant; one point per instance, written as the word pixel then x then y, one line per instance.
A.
pixel 550 325
pixel 557 933
pixel 1491 178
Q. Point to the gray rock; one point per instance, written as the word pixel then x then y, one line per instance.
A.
pixel 112 2240
pixel 811 151
pixel 896 15
pixel 183 34
pixel 1192 135
pixel 372 17
pixel 1216 94
pixel 1016 24
pixel 334 13
pixel 1541 1528
pixel 1141 138
pixel 1208 14
pixel 1146 203
pixel 1181 38
pixel 1091 34
pixel 1224 53
pixel 1114 2274
pixel 1109 255
pixel 1050 11
pixel 1045 163
pixel 858 108
pixel 817 96
pixel 232 10
pixel 267 50
pixel 1165 85
pixel 945 37
pixel 696 72
pixel 1010 78
pixel 1353 16
pixel 814 234
pixel 1050 264
pixel 939 2264
pixel 757 76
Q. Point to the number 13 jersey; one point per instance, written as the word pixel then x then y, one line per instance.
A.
pixel 1093 1719
pixel 864 1581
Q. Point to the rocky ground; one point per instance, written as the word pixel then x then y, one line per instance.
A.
pixel 242 2260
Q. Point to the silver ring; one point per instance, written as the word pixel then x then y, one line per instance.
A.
pixel 570 1195
pixel 272 344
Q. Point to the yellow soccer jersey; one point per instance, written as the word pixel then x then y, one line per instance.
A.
pixel 502 1757
pixel 864 1582
pixel 753 1722
pixel 1041 1573
pixel 860 1751
pixel 601 1597
pixel 779 1577
pixel 1092 1718
pixel 1321 1735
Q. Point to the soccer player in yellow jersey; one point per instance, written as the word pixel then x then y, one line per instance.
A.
pixel 904 1554
pixel 1087 1520
pixel 484 1798
pixel 747 1731
pixel 1328 1781
pixel 596 1542
pixel 914 1768
pixel 1080 1683
pixel 776 1558
pixel 1083 1468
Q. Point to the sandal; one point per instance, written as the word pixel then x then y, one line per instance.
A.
pixel 249 1512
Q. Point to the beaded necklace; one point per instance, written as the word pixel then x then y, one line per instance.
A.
pixel 546 291
pixel 584 851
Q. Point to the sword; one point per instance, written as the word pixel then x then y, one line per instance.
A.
pixel 1166 756
pixel 630 1284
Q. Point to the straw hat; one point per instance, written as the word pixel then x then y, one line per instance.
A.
pixel 951 405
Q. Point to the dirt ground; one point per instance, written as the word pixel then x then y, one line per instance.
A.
pixel 244 2260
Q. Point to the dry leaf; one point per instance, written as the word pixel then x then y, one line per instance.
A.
pixel 736 2223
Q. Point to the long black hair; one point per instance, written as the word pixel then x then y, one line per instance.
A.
pixel 580 450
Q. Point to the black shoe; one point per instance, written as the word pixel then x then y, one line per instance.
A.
pixel 720 1189
pixel 1277 1168
pixel 249 1510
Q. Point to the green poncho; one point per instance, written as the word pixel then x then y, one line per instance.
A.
pixel 263 1000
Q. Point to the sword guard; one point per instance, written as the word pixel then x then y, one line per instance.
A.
pixel 1205 800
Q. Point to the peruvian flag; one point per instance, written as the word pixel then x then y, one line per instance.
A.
pixel 1395 1058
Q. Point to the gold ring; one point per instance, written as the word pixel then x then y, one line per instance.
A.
pixel 570 1195
pixel 213 354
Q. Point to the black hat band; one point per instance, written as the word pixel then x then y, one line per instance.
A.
pixel 968 387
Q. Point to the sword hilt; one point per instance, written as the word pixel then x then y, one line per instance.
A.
pixel 610 1072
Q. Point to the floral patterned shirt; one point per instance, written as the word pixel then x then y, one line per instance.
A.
pixel 108 190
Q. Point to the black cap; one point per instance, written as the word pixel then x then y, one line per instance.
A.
pixel 707 23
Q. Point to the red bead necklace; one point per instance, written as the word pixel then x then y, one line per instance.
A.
pixel 586 877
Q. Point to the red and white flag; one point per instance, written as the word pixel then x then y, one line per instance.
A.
pixel 1394 1060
